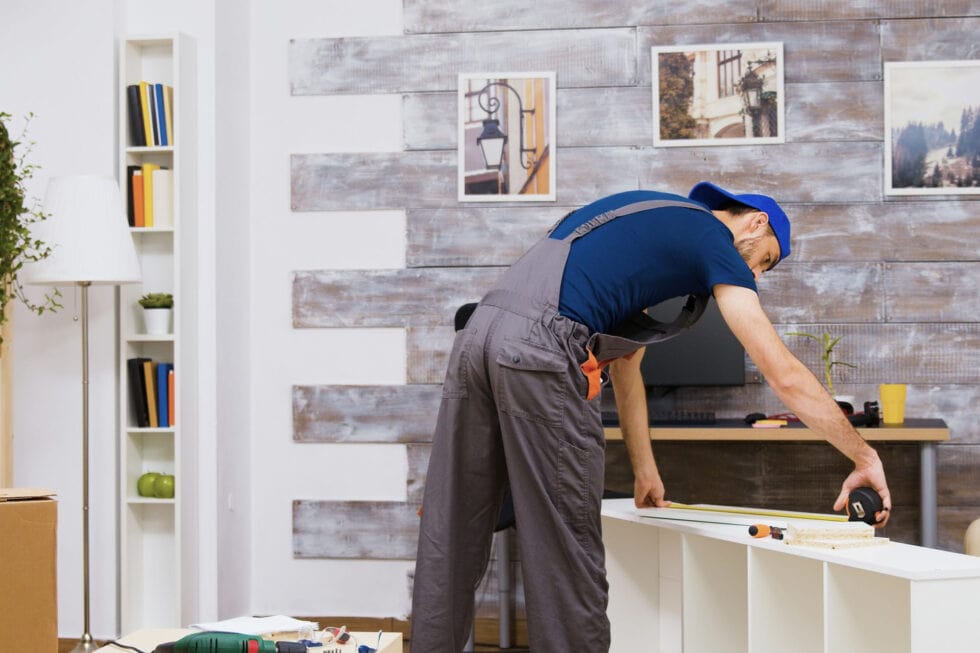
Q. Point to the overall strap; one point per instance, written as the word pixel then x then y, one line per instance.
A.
pixel 626 209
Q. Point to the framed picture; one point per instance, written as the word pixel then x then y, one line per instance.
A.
pixel 932 127
pixel 506 137
pixel 721 94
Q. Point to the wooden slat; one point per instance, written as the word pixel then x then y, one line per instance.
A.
pixel 831 51
pixel 932 40
pixel 397 64
pixel 428 16
pixel 891 231
pixel 831 292
pixel 787 172
pixel 622 116
pixel 953 522
pixel 398 298
pixel 932 292
pixel 428 353
pixel 476 236
pixel 378 413
pixel 796 10
pixel 418 466
pixel 957 478
pixel 360 530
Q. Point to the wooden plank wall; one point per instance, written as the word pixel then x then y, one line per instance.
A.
pixel 897 277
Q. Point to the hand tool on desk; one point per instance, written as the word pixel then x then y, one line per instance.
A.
pixel 218 642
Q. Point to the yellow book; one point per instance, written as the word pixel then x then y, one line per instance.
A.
pixel 149 371
pixel 145 109
pixel 168 100
pixel 148 169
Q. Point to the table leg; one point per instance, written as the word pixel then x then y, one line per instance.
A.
pixel 927 493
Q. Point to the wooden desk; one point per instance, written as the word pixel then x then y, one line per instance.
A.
pixel 698 587
pixel 148 639
pixel 927 432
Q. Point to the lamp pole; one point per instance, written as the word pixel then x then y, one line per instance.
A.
pixel 490 138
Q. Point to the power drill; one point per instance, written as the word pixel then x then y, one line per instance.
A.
pixel 218 642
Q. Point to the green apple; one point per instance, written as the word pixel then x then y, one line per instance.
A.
pixel 144 485
pixel 163 486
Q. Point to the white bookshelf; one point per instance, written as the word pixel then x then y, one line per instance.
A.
pixel 698 587
pixel 156 589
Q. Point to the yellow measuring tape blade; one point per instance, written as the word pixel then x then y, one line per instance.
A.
pixel 760 512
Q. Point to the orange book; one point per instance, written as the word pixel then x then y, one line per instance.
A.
pixel 170 397
pixel 138 206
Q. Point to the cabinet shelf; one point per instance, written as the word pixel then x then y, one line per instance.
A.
pixel 153 531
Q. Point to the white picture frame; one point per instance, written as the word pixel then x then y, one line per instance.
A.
pixel 718 94
pixel 523 106
pixel 932 127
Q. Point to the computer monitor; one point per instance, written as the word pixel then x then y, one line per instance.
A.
pixel 707 354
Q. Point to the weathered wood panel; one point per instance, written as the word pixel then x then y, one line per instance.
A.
pixel 356 413
pixel 932 292
pixel 623 116
pixel 959 481
pixel 476 236
pixel 397 64
pixel 831 51
pixel 414 297
pixel 428 353
pixel 891 231
pixel 831 292
pixel 932 40
pixel 360 530
pixel 430 16
pixel 794 10
pixel 418 466
pixel 852 172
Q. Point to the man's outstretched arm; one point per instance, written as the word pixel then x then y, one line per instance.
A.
pixel 800 390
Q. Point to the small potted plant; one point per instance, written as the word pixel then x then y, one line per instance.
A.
pixel 827 344
pixel 157 312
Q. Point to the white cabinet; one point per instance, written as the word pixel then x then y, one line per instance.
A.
pixel 700 587
pixel 154 562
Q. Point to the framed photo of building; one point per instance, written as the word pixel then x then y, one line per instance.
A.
pixel 506 148
pixel 719 94
pixel 932 127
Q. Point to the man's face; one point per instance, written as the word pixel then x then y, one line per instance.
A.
pixel 760 252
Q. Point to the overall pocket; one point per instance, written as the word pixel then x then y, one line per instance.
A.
pixel 532 382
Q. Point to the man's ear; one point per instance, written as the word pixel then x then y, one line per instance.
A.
pixel 758 220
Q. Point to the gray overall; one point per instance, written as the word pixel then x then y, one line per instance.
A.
pixel 516 409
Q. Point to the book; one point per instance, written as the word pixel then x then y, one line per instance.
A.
pixel 161 114
pixel 137 392
pixel 131 195
pixel 163 197
pixel 139 219
pixel 151 102
pixel 145 114
pixel 137 136
pixel 148 169
pixel 171 381
pixel 163 399
pixel 168 101
pixel 149 377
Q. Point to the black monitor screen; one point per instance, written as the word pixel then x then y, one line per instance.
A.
pixel 707 354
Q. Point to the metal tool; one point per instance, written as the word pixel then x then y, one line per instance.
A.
pixel 219 642
pixel 863 504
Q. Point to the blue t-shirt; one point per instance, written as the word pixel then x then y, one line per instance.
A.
pixel 639 260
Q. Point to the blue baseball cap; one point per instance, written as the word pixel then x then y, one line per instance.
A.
pixel 715 197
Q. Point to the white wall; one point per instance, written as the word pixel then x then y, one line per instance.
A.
pixel 249 242
pixel 57 59
pixel 282 356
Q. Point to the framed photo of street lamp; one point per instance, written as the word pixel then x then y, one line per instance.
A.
pixel 718 94
pixel 506 149
pixel 932 127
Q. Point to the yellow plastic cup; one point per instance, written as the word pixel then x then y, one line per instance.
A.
pixel 892 402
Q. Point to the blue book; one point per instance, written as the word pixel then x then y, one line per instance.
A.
pixel 163 394
pixel 161 115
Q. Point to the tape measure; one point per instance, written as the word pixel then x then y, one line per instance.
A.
pixel 862 505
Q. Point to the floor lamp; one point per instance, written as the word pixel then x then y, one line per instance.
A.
pixel 88 233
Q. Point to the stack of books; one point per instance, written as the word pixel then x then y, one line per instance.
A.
pixel 151 121
pixel 151 391
pixel 150 195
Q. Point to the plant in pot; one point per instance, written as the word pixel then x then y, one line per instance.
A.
pixel 17 214
pixel 157 312
pixel 827 344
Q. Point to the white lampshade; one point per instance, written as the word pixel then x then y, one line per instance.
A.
pixel 87 232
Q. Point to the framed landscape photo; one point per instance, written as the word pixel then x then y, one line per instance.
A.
pixel 718 94
pixel 506 149
pixel 932 127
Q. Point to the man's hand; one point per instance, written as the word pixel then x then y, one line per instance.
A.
pixel 648 491
pixel 868 473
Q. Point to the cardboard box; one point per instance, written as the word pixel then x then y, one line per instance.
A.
pixel 28 570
